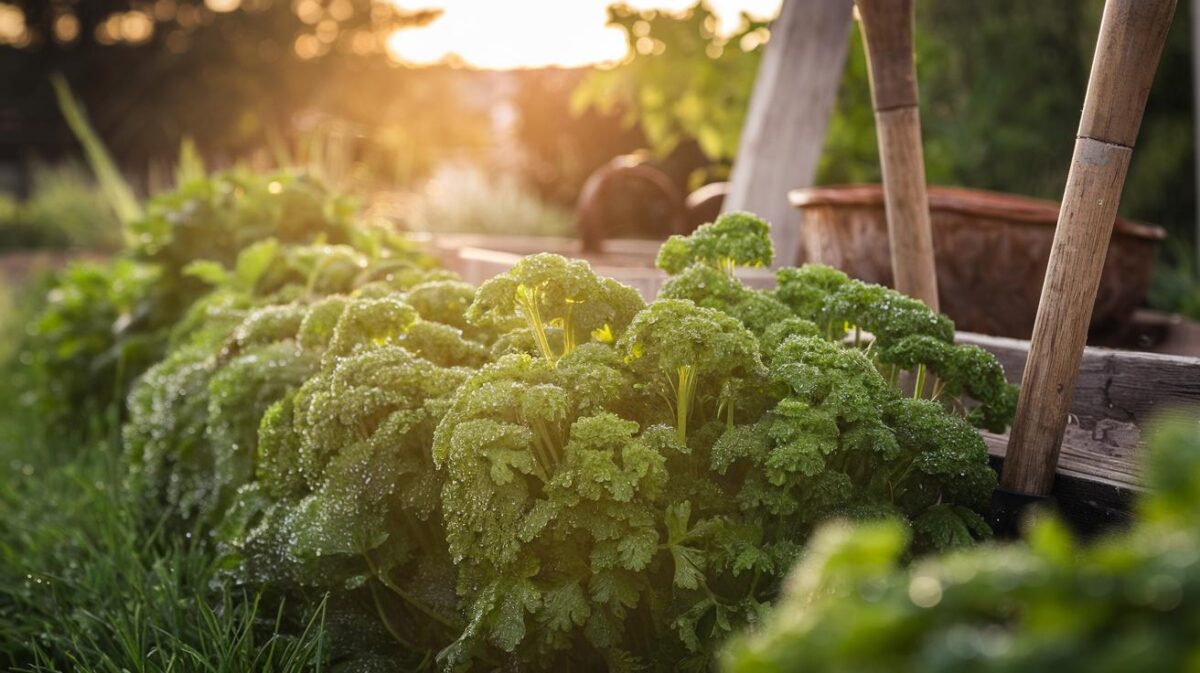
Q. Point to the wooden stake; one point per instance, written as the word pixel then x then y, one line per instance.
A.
pixel 1132 34
pixel 887 27
pixel 1195 11
pixel 789 115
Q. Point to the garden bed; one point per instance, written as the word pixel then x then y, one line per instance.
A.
pixel 1117 392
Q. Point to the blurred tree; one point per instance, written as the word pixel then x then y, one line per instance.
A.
pixel 681 81
pixel 236 75
pixel 562 150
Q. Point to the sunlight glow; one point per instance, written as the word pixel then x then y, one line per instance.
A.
pixel 535 33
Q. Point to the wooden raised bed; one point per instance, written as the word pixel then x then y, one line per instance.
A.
pixel 1117 394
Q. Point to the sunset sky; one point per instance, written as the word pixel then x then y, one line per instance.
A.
pixel 505 34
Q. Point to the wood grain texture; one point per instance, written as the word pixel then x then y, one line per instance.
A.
pixel 1131 39
pixel 789 114
pixel 1116 394
pixel 1110 455
pixel 907 203
pixel 887 27
pixel 1112 385
pixel 1132 34
pixel 1060 331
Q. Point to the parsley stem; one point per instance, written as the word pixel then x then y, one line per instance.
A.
pixel 919 386
pixel 406 596
pixel 685 393
pixel 527 299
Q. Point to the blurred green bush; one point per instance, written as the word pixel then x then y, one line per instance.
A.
pixel 104 323
pixel 1128 602
pixel 65 209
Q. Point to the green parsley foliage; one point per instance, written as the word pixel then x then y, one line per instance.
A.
pixel 245 234
pixel 733 240
pixel 546 473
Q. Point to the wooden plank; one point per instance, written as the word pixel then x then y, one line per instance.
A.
pixel 1116 394
pixel 1114 385
pixel 1110 456
pixel 476 265
pixel 1088 506
pixel 789 114
pixel 1124 386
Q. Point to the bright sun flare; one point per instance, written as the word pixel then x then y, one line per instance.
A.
pixel 504 34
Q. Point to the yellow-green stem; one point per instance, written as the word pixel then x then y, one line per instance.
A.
pixel 920 385
pixel 527 298
pixel 568 330
pixel 727 265
pixel 684 394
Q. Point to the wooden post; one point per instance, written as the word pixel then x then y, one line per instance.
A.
pixel 887 27
pixel 1195 43
pixel 789 114
pixel 1132 34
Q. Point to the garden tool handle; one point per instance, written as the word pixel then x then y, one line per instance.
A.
pixel 887 27
pixel 1132 34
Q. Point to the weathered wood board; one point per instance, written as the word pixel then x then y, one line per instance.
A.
pixel 789 113
pixel 1117 394
pixel 1113 386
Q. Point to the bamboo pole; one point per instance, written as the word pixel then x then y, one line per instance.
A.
pixel 887 27
pixel 1131 39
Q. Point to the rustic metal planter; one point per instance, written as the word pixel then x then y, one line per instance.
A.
pixel 992 250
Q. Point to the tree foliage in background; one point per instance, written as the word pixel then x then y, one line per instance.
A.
pixel 240 83
pixel 1001 81
pixel 682 80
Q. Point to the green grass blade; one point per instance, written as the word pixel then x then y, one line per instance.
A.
pixel 120 195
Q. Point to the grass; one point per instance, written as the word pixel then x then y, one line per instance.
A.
pixel 88 583
pixel 461 199
pixel 85 587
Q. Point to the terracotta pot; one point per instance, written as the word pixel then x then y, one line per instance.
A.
pixel 991 250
